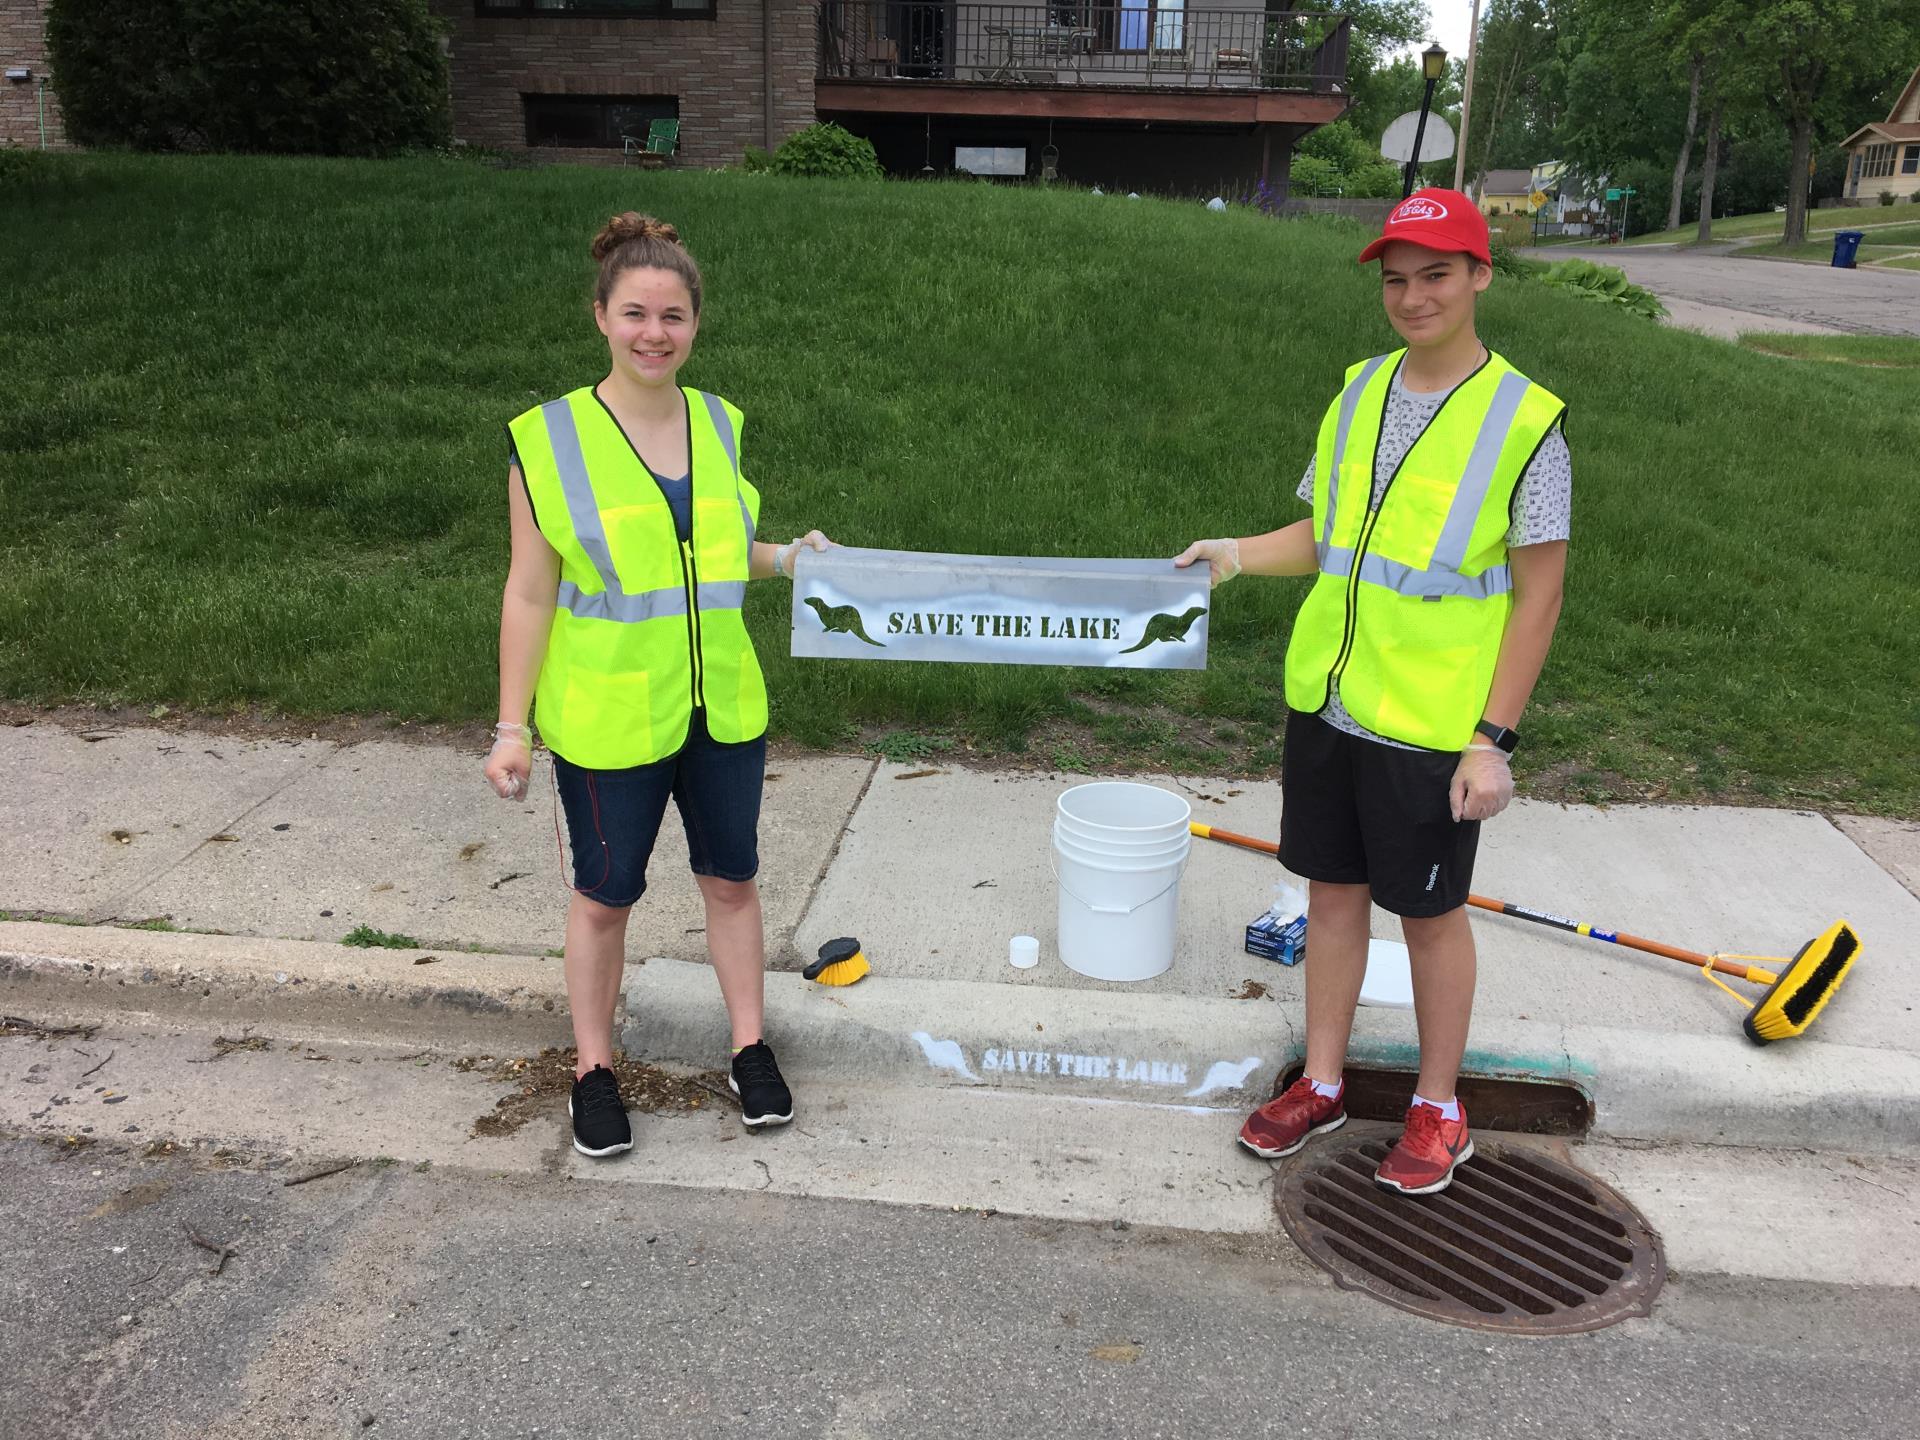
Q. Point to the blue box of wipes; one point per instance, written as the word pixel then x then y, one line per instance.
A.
pixel 1275 939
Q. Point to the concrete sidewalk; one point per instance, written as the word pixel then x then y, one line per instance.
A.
pixel 286 847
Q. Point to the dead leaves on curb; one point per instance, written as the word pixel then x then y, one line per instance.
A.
pixel 543 1079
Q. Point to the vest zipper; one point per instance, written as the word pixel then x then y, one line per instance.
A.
pixel 693 622
pixel 1373 516
pixel 1353 586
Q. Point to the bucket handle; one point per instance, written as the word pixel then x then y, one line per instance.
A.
pixel 1053 863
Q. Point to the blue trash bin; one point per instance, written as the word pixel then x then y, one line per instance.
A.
pixel 1846 246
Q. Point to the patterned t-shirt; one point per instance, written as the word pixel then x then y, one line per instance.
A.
pixel 1542 502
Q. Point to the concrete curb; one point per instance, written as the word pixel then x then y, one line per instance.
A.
pixel 219 979
pixel 1099 1046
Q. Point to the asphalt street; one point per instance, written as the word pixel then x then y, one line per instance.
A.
pixel 1865 302
pixel 390 1301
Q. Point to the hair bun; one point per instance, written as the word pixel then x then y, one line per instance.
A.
pixel 631 226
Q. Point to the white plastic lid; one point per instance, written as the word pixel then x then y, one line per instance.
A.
pixel 1023 952
pixel 1389 982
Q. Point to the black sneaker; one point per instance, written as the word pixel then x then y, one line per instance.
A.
pixel 599 1119
pixel 764 1097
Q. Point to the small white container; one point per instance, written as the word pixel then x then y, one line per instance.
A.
pixel 1023 952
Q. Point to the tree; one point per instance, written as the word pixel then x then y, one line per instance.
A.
pixel 1709 35
pixel 1519 83
pixel 1812 51
pixel 317 77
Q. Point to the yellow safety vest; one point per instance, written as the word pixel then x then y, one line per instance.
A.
pixel 1412 599
pixel 646 627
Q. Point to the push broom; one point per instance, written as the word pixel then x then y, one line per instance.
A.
pixel 1795 994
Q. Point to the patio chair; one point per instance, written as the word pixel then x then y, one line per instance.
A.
pixel 1169 56
pixel 656 147
pixel 1230 60
pixel 882 58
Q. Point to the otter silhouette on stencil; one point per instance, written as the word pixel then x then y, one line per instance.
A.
pixel 1167 627
pixel 841 620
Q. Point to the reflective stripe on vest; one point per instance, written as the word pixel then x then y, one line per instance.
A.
pixel 1349 399
pixel 613 603
pixel 723 423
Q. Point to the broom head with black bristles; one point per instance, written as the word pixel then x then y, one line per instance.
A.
pixel 1792 1001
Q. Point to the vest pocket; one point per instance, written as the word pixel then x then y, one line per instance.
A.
pixel 611 712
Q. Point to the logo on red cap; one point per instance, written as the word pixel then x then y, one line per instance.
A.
pixel 1418 208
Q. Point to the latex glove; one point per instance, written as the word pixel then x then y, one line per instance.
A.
pixel 1222 557
pixel 510 762
pixel 1482 783
pixel 784 557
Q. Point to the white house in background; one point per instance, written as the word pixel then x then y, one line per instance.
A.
pixel 1573 205
pixel 1883 157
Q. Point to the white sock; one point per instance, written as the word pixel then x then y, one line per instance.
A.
pixel 1448 1108
pixel 1324 1090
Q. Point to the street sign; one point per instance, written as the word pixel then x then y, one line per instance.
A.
pixel 1436 144
pixel 1613 193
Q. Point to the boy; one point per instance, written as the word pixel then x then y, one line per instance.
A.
pixel 1441 494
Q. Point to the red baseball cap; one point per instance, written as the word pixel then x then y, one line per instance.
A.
pixel 1438 220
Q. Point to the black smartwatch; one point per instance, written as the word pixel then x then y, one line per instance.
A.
pixel 1503 738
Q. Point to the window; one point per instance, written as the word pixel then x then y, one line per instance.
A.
pixel 1879 162
pixel 990 159
pixel 594 122
pixel 600 9
pixel 1910 161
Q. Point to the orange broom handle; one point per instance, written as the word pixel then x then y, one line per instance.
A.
pixel 1539 917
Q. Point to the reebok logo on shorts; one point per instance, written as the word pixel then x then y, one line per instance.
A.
pixel 1433 878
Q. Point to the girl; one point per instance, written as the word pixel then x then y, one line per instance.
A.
pixel 633 540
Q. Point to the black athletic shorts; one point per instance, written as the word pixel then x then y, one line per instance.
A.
pixel 1356 812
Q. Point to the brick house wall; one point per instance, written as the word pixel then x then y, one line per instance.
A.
pixel 716 69
pixel 23 42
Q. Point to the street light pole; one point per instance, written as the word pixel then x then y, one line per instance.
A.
pixel 1433 63
pixel 1466 100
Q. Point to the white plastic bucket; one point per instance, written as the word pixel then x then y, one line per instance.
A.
pixel 1119 815
pixel 1118 853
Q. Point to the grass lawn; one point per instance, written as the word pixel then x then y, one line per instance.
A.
pixel 251 454
pixel 1885 351
pixel 1774 222
pixel 1822 250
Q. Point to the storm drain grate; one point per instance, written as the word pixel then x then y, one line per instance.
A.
pixel 1518 1242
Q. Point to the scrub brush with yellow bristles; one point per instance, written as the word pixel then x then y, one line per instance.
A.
pixel 1797 988
pixel 840 963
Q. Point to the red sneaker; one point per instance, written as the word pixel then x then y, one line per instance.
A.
pixel 1432 1148
pixel 1285 1123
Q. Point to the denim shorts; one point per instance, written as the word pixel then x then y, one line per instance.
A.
pixel 613 816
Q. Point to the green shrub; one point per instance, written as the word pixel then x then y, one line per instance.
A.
pixel 825 151
pixel 23 169
pixel 1887 197
pixel 1507 261
pixel 756 161
pixel 316 77
pixel 1313 175
pixel 1602 282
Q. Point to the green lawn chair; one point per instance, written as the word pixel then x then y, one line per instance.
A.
pixel 662 139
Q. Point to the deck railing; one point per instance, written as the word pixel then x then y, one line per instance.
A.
pixel 1084 42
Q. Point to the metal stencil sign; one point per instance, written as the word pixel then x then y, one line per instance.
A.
pixel 854 604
